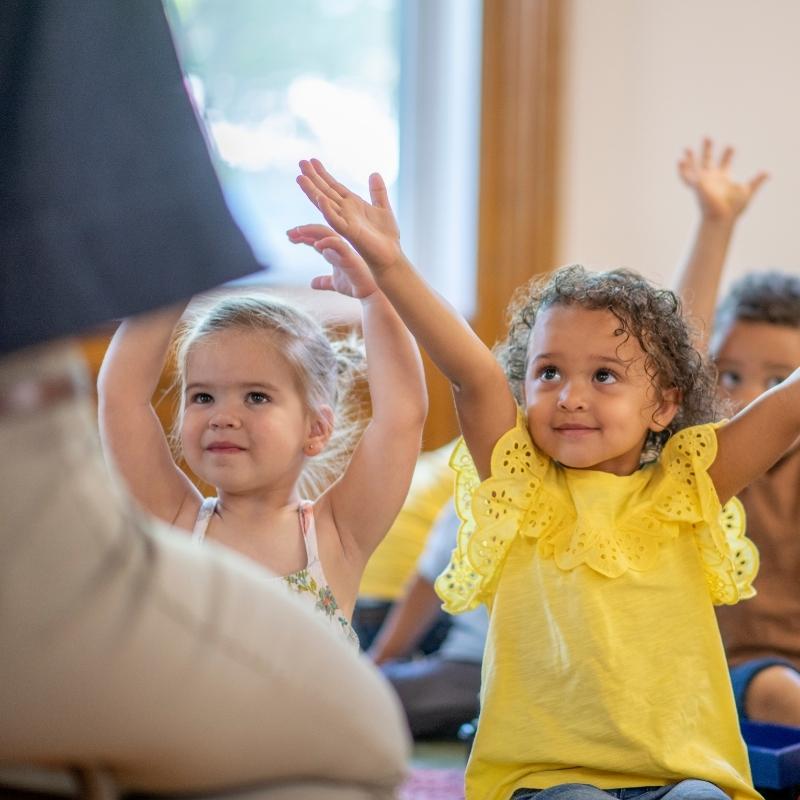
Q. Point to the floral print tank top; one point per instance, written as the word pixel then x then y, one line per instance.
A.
pixel 309 583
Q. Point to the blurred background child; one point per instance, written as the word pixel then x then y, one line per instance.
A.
pixel 755 343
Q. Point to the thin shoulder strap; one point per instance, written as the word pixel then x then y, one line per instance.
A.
pixel 204 515
pixel 306 513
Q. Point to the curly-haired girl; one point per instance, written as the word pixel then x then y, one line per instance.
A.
pixel 604 673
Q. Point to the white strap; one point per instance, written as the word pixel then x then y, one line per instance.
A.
pixel 307 525
pixel 204 515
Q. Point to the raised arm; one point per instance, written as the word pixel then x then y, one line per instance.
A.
pixel 408 621
pixel 132 436
pixel 720 200
pixel 368 496
pixel 757 437
pixel 483 399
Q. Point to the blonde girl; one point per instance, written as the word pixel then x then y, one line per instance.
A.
pixel 259 384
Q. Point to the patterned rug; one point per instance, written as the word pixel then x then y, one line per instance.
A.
pixel 429 783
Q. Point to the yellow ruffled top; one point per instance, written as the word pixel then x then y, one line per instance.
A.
pixel 530 495
pixel 603 663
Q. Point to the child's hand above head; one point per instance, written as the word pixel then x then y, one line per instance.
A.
pixel 720 197
pixel 370 228
pixel 349 275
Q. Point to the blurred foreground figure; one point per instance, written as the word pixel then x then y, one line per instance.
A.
pixel 173 667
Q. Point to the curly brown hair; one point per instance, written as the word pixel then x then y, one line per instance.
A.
pixel 653 316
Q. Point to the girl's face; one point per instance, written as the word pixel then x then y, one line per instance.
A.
pixel 590 402
pixel 752 357
pixel 244 425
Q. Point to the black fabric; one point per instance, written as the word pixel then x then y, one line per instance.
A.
pixel 109 204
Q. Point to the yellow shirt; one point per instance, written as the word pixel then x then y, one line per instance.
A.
pixel 604 663
pixel 395 559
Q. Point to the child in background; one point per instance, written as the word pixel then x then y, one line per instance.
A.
pixel 592 526
pixel 438 690
pixel 394 561
pixel 259 383
pixel 756 345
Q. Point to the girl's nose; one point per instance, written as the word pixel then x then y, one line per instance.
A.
pixel 572 397
pixel 223 419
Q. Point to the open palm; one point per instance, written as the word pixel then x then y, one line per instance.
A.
pixel 349 273
pixel 718 194
pixel 370 227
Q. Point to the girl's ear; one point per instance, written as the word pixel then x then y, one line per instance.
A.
pixel 666 409
pixel 319 431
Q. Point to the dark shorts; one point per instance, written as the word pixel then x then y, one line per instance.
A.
pixel 742 674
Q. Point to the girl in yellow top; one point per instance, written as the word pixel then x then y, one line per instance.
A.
pixel 593 526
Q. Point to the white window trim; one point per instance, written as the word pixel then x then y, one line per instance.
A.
pixel 439 115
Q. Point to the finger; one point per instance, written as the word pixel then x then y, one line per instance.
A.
pixel 309 189
pixel 686 170
pixel 755 183
pixel 294 235
pixel 686 164
pixel 338 253
pixel 331 212
pixel 310 231
pixel 318 180
pixel 320 169
pixel 318 198
pixel 377 192
pixel 332 254
pixel 705 153
pixel 726 158
pixel 333 243
pixel 297 236
pixel 323 283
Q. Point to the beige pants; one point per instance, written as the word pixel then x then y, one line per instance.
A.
pixel 175 667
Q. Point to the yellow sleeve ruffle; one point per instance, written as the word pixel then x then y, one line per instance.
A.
pixel 687 494
pixel 526 495
pixel 502 505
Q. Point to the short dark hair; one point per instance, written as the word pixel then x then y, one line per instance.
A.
pixel 772 297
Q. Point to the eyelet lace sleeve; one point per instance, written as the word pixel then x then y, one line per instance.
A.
pixel 687 494
pixel 529 495
pixel 502 503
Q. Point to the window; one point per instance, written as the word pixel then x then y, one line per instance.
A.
pixel 366 85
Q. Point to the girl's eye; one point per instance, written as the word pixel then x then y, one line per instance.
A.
pixel 728 379
pixel 548 373
pixel 201 398
pixel 258 398
pixel 774 380
pixel 605 376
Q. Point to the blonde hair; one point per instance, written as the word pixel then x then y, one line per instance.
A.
pixel 327 370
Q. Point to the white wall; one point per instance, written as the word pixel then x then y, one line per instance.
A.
pixel 644 78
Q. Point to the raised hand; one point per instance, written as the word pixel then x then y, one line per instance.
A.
pixel 720 197
pixel 370 227
pixel 349 275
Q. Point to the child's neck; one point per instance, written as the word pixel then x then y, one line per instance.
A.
pixel 256 505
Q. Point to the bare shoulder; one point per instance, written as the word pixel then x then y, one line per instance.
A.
pixel 188 510
pixel 328 534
